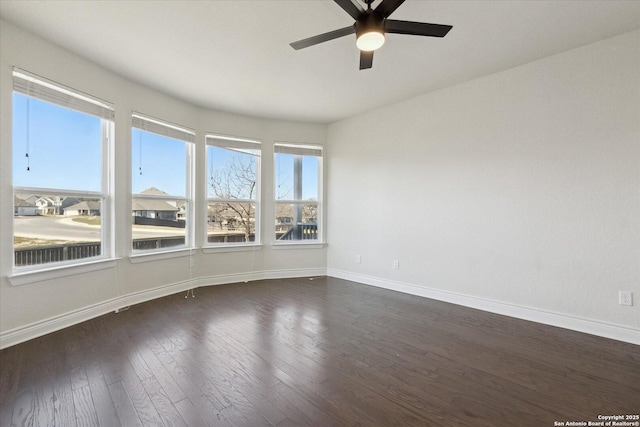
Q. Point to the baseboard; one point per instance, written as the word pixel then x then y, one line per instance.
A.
pixel 52 324
pixel 224 279
pixel 589 326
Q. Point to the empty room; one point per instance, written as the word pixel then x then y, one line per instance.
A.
pixel 319 213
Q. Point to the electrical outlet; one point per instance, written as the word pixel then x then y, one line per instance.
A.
pixel 358 259
pixel 625 298
pixel 396 264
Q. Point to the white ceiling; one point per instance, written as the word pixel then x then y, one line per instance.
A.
pixel 235 55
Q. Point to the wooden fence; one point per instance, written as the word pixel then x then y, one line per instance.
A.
pixel 71 251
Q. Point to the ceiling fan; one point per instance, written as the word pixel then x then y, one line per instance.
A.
pixel 371 26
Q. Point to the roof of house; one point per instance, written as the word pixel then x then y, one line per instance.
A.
pixel 92 205
pixel 154 191
pixel 21 203
pixel 152 205
pixel 69 201
pixel 31 198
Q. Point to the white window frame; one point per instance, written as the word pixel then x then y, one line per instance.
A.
pixel 164 128
pixel 36 87
pixel 300 150
pixel 234 143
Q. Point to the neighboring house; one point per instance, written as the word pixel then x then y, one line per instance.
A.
pixel 49 205
pixel 45 205
pixel 86 208
pixel 225 217
pixel 23 207
pixel 284 216
pixel 156 208
pixel 182 210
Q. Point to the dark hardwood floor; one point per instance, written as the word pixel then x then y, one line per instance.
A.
pixel 325 352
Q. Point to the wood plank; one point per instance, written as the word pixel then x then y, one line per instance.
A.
pixel 63 405
pixel 127 414
pixel 141 401
pixel 44 410
pixel 10 366
pixel 167 412
pixel 105 408
pixel 205 408
pixel 190 414
pixel 162 375
pixel 84 409
pixel 24 408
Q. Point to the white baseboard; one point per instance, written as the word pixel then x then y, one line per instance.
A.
pixel 52 324
pixel 260 275
pixel 589 326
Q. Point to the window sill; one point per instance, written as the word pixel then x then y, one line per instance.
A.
pixel 140 257
pixel 232 248
pixel 34 276
pixel 296 244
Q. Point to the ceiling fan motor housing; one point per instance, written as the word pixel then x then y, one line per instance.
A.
pixel 370 22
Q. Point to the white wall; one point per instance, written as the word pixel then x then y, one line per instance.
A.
pixel 513 191
pixel 32 309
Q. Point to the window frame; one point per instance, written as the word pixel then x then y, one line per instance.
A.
pixel 226 142
pixel 163 128
pixel 39 88
pixel 299 151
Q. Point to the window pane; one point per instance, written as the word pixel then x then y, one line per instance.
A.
pixel 55 228
pixel 158 223
pixel 309 178
pixel 285 177
pixel 231 174
pixel 296 221
pixel 158 163
pixel 55 147
pixel 231 222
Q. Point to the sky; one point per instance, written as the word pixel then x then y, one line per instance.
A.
pixel 64 150
pixel 64 146
pixel 158 161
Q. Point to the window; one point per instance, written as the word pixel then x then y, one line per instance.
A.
pixel 61 180
pixel 298 179
pixel 162 185
pixel 233 189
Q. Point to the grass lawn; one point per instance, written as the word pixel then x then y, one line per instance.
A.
pixel 90 220
pixel 29 242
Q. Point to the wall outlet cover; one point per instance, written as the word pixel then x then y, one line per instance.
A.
pixel 625 298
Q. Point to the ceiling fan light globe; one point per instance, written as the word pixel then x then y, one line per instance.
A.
pixel 370 40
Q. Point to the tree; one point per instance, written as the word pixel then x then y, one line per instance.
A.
pixel 234 185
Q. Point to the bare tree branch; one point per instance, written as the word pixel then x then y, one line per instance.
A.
pixel 236 181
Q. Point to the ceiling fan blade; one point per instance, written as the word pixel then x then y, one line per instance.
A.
pixel 301 44
pixel 355 10
pixel 416 28
pixel 387 7
pixel 366 59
